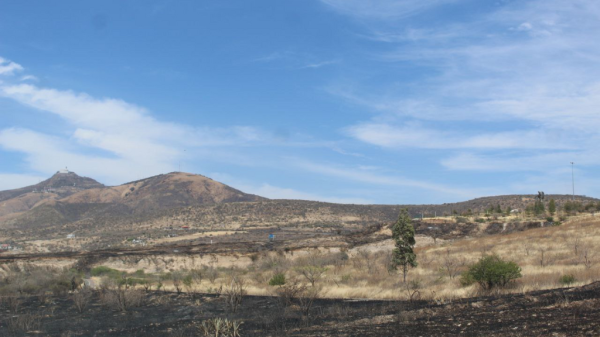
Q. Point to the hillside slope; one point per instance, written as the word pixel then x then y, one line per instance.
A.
pixel 60 185
pixel 164 191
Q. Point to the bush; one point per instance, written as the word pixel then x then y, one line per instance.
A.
pixel 105 271
pixel 466 279
pixel 567 279
pixel 491 271
pixel 277 280
pixel 220 327
pixel 460 219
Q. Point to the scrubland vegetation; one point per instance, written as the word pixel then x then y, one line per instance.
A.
pixel 553 256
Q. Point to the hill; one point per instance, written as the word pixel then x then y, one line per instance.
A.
pixel 153 207
pixel 163 191
pixel 62 184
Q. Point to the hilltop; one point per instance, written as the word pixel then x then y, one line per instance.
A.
pixel 62 184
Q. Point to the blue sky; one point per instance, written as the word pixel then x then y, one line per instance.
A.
pixel 394 102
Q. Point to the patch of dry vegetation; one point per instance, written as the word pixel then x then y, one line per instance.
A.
pixel 548 256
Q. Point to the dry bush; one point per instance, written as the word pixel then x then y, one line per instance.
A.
pixel 587 256
pixel 276 264
pixel 306 298
pixel 163 300
pixel 211 273
pixel 81 299
pixel 23 323
pixel 234 293
pixel 220 327
pixel 311 273
pixel 413 289
pixel 122 299
pixel 452 264
pixel 13 303
pixel 289 291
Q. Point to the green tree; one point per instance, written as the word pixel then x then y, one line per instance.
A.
pixel 403 234
pixel 552 207
pixel 491 271
pixel 277 280
pixel 498 209
pixel 539 208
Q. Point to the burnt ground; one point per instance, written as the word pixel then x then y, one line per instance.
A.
pixel 558 312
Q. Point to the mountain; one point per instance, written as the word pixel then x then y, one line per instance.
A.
pixel 163 191
pixel 152 207
pixel 62 184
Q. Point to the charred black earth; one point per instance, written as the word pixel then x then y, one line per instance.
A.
pixel 557 312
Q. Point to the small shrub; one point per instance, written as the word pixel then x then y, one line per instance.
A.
pixel 467 279
pixel 567 279
pixel 105 271
pixel 346 278
pixel 277 280
pixel 491 271
pixel 234 293
pixel 461 219
pixel 220 327
pixel 81 300
pixel 550 219
pixel 23 323
pixel 122 299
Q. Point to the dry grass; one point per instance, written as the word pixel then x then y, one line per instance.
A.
pixel 544 254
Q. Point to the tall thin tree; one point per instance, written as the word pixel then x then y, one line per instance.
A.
pixel 552 207
pixel 403 234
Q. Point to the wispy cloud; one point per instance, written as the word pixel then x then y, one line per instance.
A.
pixel 412 135
pixel 110 138
pixel 8 67
pixel 275 192
pixel 320 64
pixel 296 60
pixel 29 78
pixel 370 177
pixel 523 78
pixel 383 9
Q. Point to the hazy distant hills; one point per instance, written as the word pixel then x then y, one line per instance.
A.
pixel 68 191
pixel 67 202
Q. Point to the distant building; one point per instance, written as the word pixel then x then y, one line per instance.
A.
pixel 65 171
pixel 515 211
pixel 5 246
pixel 71 236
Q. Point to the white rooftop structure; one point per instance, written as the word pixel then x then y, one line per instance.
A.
pixel 65 171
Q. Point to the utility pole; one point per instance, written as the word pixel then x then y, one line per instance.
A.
pixel 573 179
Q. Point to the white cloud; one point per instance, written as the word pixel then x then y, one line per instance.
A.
pixel 29 78
pixel 413 135
pixel 8 67
pixel 110 139
pixel 522 78
pixel 374 178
